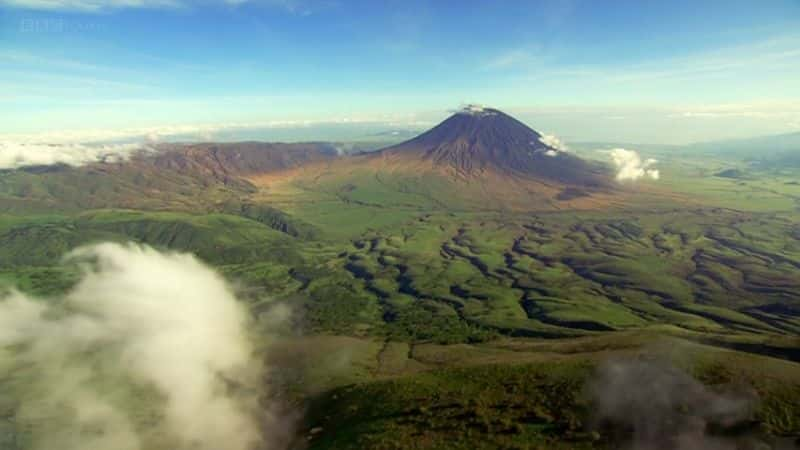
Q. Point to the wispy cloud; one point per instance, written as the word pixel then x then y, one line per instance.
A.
pixel 25 58
pixel 510 59
pixel 76 81
pixel 761 110
pixel 779 53
pixel 721 63
pixel 300 7
pixel 675 124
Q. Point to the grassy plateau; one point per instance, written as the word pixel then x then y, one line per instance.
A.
pixel 423 321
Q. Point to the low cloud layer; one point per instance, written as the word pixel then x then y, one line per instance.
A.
pixel 666 409
pixel 631 167
pixel 553 142
pixel 14 155
pixel 203 131
pixel 148 350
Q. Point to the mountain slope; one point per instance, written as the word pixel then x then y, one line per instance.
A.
pixel 227 160
pixel 186 177
pixel 477 159
pixel 477 140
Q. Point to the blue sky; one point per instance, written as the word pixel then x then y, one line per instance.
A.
pixel 640 71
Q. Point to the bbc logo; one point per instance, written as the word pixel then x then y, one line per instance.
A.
pixel 42 25
pixel 57 25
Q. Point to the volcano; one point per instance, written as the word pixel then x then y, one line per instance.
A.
pixel 477 159
pixel 477 141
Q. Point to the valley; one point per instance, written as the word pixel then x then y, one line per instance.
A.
pixel 473 303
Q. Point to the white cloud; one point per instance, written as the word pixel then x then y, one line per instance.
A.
pixel 553 142
pixel 139 320
pixel 551 153
pixel 14 155
pixel 762 110
pixel 631 167
pixel 474 109
pixel 301 7
pixel 298 7
pixel 780 53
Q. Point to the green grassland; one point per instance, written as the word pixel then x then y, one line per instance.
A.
pixel 427 324
pixel 516 401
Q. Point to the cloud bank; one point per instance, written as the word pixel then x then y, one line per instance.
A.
pixel 14 155
pixel 192 132
pixel 630 166
pixel 84 146
pixel 142 331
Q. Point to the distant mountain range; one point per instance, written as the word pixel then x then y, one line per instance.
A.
pixel 775 144
pixel 477 158
pixel 766 152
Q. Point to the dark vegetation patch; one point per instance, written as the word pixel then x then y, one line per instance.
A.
pixel 735 174
pixel 571 193
pixel 479 407
pixel 273 218
pixel 550 405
